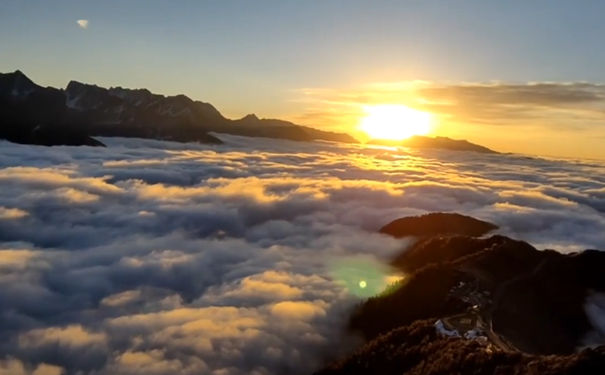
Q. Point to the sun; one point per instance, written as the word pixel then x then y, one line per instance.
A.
pixel 394 122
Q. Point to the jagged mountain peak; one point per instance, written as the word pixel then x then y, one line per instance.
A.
pixel 18 73
pixel 134 97
pixel 250 117
pixel 83 96
pixel 118 89
pixel 16 84
pixel 77 85
pixel 14 75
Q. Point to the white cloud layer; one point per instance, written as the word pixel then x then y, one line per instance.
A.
pixel 151 257
pixel 82 23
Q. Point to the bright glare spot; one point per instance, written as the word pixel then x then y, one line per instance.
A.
pixel 392 279
pixel 82 23
pixel 394 122
pixel 361 276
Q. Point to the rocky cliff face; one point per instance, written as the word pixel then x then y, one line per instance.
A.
pixel 35 115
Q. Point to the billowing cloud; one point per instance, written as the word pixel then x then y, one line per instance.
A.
pixel 151 257
pixel 82 23
pixel 297 310
pixel 11 366
pixel 70 336
pixel 11 213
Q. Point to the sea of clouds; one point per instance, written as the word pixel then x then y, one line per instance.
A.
pixel 151 257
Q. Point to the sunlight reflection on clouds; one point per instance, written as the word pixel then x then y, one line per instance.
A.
pixel 158 257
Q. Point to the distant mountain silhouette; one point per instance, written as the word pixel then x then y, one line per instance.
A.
pixel 444 143
pixel 30 113
pixel 437 223
pixel 252 126
pixel 35 115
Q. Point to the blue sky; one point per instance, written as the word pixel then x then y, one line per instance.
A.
pixel 253 56
pixel 217 48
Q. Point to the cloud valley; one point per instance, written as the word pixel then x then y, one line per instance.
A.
pixel 151 257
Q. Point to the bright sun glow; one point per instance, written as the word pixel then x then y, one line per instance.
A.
pixel 394 122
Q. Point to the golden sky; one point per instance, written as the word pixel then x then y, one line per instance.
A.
pixel 552 119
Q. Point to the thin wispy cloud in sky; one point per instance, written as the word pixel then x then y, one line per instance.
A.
pixel 82 23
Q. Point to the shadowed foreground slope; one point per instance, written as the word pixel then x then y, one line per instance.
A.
pixel 483 306
pixel 418 349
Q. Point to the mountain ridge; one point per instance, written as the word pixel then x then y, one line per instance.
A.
pixel 481 305
pixel 439 142
pixel 82 111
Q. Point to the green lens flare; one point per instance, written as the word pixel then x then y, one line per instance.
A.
pixel 361 276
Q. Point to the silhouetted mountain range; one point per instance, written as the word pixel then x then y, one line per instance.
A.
pixel 30 113
pixel 445 143
pixel 481 306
